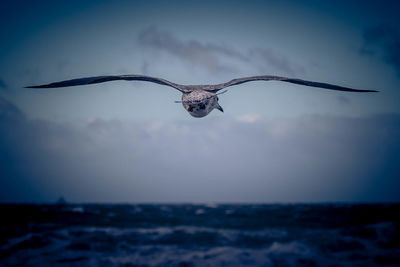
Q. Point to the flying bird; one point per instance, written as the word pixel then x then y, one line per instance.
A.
pixel 198 100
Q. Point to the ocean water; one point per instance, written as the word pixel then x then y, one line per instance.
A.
pixel 200 235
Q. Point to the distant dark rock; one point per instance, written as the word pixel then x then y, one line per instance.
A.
pixel 61 201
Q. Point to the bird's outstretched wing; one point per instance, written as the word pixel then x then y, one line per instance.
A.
pixel 188 88
pixel 217 87
pixel 101 79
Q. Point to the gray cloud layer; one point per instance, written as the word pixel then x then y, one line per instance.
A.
pixel 3 84
pixel 212 56
pixel 247 159
pixel 385 38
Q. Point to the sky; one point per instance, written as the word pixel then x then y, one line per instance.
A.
pixel 129 142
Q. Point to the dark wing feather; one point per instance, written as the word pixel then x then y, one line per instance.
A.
pixel 102 79
pixel 217 87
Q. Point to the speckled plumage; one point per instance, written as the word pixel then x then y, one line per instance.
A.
pixel 198 100
pixel 200 103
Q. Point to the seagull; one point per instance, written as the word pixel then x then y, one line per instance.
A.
pixel 198 100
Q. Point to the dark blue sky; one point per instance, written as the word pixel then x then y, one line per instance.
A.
pixel 129 141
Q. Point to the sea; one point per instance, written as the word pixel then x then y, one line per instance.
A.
pixel 326 234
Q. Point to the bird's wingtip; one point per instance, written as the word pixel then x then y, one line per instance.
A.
pixel 366 91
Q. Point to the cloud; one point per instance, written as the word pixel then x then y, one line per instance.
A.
pixel 9 112
pixel 3 85
pixel 383 39
pixel 249 118
pixel 266 58
pixel 248 159
pixel 343 100
pixel 193 52
pixel 214 57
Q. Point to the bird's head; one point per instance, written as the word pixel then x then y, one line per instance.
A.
pixel 200 103
pixel 217 105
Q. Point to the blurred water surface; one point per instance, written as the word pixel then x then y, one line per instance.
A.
pixel 200 235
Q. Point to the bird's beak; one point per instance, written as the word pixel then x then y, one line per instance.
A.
pixel 220 108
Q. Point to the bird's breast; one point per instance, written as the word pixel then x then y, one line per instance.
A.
pixel 198 103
